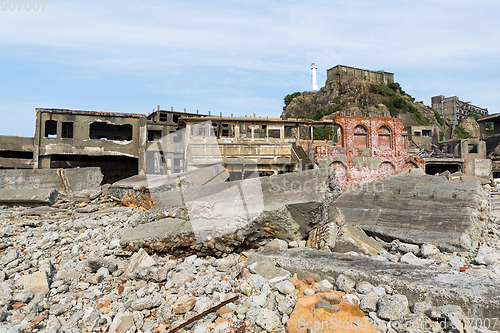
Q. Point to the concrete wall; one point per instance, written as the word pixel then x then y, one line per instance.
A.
pixel 60 179
pixel 16 152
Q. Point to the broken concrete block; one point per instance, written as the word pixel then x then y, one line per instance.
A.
pixel 487 255
pixel 411 259
pixel 408 248
pixel 270 272
pixel 95 262
pixel 122 322
pixel 352 238
pixel 428 250
pixel 140 259
pixel 37 282
pixel 276 244
pixel 420 209
pixel 238 215
pixel 393 307
pixel 29 197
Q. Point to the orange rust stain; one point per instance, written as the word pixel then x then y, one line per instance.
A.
pixel 305 314
pixel 143 201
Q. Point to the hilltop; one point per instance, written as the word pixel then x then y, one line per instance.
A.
pixel 358 97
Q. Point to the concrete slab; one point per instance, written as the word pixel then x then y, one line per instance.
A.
pixel 479 296
pixel 29 197
pixel 61 179
pixel 419 209
pixel 244 214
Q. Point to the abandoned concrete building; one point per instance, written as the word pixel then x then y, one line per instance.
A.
pixel 489 128
pixel 361 149
pixel 368 149
pixel 454 109
pixel 340 70
pixel 419 137
pixel 247 146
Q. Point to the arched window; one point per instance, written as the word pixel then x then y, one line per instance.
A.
pixel 360 136
pixel 384 137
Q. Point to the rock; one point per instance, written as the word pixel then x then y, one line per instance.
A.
pixel 122 322
pixel 96 262
pixel 58 309
pixel 293 244
pixel 421 307
pixel 354 239
pixel 308 292
pixel 5 294
pixel 332 309
pixel 223 265
pixel 184 304
pixel 152 273
pixel 344 283
pixel 23 296
pixel 140 259
pixel 285 287
pixel 270 272
pixel 392 307
pixel 428 250
pixel 276 244
pixel 369 302
pixel 268 320
pixel 411 259
pixel 486 254
pixel 9 256
pixel 36 282
pixel 331 298
pixel 326 284
pixel 408 248
pixel 285 304
pixel 351 299
pixel 147 302
pixel 246 289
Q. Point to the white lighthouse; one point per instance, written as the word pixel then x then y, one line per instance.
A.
pixel 313 76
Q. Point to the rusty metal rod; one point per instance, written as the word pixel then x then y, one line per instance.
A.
pixel 201 315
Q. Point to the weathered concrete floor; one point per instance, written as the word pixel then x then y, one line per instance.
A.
pixel 478 295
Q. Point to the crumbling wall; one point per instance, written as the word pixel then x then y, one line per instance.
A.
pixel 356 163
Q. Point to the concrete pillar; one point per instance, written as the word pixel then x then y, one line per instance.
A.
pixel 141 155
pixel 44 162
pixel 312 132
pixel 282 133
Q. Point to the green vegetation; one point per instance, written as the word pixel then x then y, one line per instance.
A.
pixel 302 116
pixel 322 133
pixel 288 98
pixel 461 133
pixel 439 119
pixel 474 116
pixel 397 103
pixel 488 125
pixel 441 136
pixel 319 114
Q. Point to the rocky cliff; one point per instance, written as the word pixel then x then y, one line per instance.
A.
pixel 357 97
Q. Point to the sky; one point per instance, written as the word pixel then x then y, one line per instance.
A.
pixel 235 57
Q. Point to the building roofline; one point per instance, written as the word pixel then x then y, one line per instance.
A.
pixel 251 119
pixel 489 117
pixel 92 113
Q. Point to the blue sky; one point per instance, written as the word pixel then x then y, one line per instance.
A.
pixel 239 57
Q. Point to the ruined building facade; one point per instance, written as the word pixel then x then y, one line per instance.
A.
pixel 454 109
pixel 364 74
pixel 368 149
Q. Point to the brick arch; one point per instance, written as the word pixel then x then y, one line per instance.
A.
pixel 385 137
pixel 387 169
pixel 340 172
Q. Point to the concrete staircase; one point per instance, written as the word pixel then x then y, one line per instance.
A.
pixel 307 164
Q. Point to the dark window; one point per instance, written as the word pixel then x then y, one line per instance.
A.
pixel 274 133
pixel 67 130
pixel 417 134
pixel 163 116
pixel 154 135
pixel 105 131
pixel 472 148
pixel 427 133
pixel 51 129
pixel 176 118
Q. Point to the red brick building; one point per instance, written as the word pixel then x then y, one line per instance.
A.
pixel 368 149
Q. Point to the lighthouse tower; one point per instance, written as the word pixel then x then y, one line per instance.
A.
pixel 313 76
